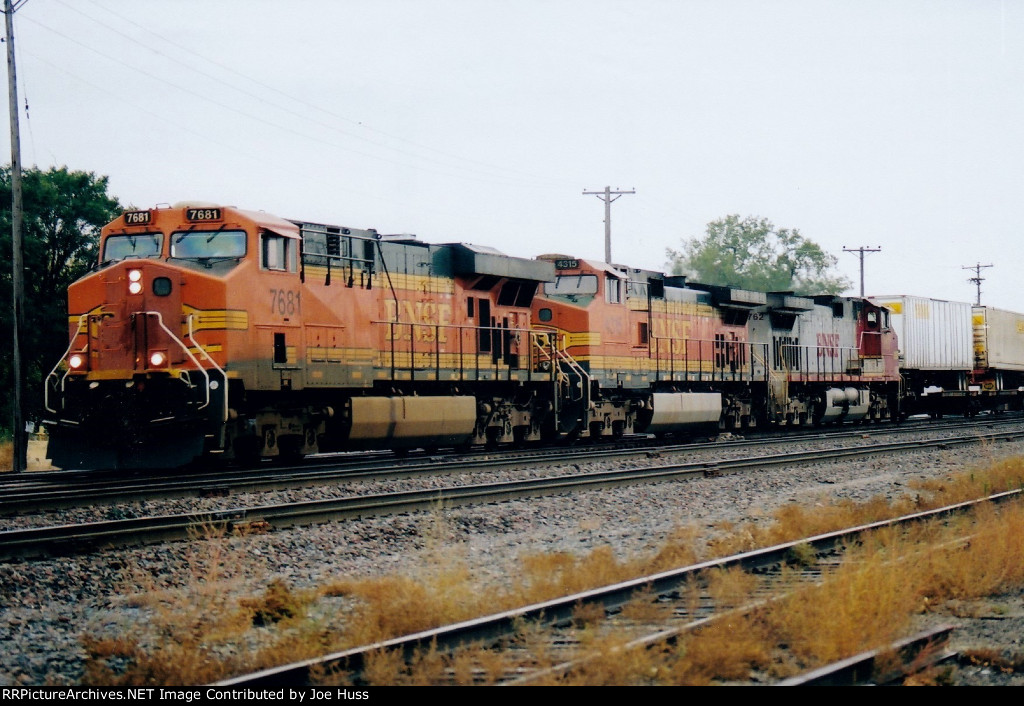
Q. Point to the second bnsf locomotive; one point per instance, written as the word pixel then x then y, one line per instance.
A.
pixel 213 331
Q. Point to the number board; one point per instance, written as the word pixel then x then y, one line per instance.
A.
pixel 202 214
pixel 567 264
pixel 137 218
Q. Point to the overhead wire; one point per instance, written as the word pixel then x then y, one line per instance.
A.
pixel 286 167
pixel 501 172
pixel 504 175
pixel 508 181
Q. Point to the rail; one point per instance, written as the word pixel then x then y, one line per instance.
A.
pixel 816 363
pixel 93 536
pixel 491 628
pixel 52 490
pixel 428 351
pixel 715 360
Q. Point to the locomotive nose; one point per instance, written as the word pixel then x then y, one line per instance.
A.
pixel 138 335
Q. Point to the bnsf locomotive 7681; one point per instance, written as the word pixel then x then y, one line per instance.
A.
pixel 213 331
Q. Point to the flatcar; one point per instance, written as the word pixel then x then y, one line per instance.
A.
pixel 957 358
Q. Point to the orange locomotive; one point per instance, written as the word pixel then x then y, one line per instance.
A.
pixel 209 330
pixel 213 330
pixel 658 354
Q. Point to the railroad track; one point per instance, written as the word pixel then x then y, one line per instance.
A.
pixel 66 539
pixel 916 653
pixel 57 490
pixel 500 630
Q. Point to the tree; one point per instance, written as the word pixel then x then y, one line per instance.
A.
pixel 751 253
pixel 64 211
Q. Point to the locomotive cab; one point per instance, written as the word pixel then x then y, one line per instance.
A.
pixel 143 382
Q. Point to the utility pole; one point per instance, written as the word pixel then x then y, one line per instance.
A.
pixel 19 462
pixel 862 249
pixel 606 196
pixel 977 278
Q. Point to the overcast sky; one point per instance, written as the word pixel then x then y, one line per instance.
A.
pixel 895 123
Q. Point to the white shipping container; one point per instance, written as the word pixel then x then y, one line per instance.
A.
pixel 933 334
pixel 998 338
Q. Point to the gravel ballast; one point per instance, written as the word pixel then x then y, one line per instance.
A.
pixel 48 605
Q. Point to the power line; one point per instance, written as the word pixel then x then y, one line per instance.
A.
pixel 862 249
pixel 606 196
pixel 482 170
pixel 977 279
pixel 496 178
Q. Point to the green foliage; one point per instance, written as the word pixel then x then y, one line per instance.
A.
pixel 751 253
pixel 63 213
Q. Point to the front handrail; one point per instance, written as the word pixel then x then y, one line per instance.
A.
pixel 46 382
pixel 195 361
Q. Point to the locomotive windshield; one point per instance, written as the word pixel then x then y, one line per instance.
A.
pixel 120 247
pixel 572 284
pixel 208 244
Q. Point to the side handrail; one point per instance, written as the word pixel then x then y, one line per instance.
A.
pixel 561 354
pixel 224 375
pixel 770 375
pixel 818 370
pixel 585 378
pixel 46 382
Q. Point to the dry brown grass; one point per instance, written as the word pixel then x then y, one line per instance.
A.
pixel 203 626
pixel 644 608
pixel 6 456
pixel 1012 664
pixel 860 606
pixel 727 649
pixel 794 521
pixel 400 605
pixel 35 457
pixel 868 601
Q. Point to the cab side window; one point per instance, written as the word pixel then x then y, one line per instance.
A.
pixel 278 252
pixel 612 290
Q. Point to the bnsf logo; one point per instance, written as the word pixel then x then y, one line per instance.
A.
pixel 828 345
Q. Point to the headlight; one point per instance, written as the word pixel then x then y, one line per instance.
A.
pixel 76 361
pixel 134 281
pixel 157 359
